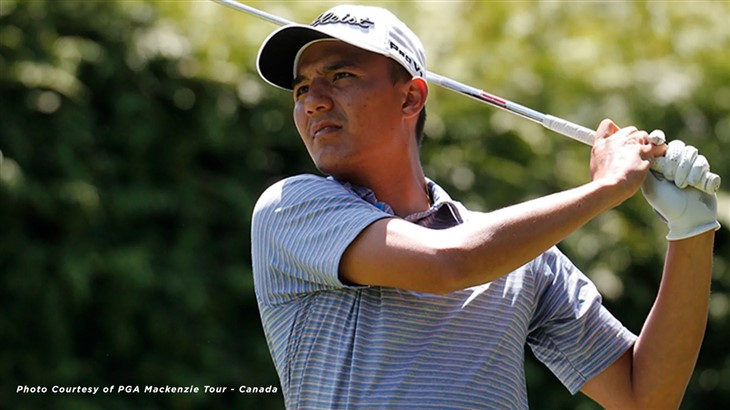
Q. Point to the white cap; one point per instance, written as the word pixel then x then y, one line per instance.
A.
pixel 371 28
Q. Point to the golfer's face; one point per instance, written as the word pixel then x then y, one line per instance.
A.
pixel 347 106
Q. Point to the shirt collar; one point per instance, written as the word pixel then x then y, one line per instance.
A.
pixel 442 214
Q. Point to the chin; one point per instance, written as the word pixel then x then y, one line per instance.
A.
pixel 328 164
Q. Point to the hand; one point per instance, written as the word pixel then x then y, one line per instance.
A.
pixel 688 212
pixel 622 156
pixel 682 163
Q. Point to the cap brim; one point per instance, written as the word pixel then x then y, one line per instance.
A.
pixel 275 61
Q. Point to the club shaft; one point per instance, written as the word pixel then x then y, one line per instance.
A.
pixel 710 182
pixel 559 125
pixel 254 11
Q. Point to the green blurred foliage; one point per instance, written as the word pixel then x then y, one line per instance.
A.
pixel 137 136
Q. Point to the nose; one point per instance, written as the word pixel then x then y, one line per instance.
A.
pixel 318 97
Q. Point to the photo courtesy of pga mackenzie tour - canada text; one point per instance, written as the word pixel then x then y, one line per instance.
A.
pixel 132 389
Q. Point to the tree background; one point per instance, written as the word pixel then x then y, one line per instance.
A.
pixel 137 137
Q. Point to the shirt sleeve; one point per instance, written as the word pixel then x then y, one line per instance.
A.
pixel 301 227
pixel 572 333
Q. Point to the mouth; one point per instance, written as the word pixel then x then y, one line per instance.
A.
pixel 324 128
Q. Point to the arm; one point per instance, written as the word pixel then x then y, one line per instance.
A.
pixel 656 372
pixel 396 253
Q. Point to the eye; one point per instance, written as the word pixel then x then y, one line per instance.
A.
pixel 342 74
pixel 300 90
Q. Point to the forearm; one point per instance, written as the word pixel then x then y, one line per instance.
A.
pixel 501 241
pixel 665 354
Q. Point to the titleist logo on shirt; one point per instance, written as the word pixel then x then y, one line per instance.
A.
pixel 331 18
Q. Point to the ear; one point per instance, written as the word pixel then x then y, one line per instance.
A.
pixel 415 98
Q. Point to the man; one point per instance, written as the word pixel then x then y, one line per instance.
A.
pixel 377 290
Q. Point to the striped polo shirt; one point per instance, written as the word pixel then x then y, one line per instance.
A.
pixel 368 347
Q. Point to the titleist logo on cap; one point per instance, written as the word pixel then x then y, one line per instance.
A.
pixel 332 18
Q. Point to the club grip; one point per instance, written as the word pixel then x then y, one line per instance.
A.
pixel 709 182
pixel 569 129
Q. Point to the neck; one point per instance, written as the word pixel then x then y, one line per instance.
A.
pixel 403 187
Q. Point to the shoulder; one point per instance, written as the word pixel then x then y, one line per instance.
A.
pixel 296 189
pixel 310 198
pixel 294 183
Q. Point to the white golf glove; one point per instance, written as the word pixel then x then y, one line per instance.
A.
pixel 688 212
pixel 682 163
